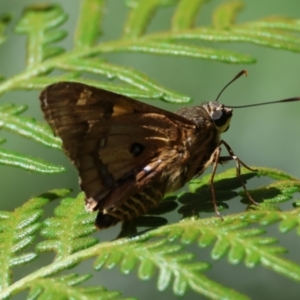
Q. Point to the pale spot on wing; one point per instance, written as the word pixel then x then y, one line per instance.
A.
pixel 147 169
pixel 90 204
pixel 84 97
pixel 81 101
pixel 119 110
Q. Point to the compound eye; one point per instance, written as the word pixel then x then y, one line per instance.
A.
pixel 219 117
pixel 217 114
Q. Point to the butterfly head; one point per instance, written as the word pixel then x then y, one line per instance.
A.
pixel 219 114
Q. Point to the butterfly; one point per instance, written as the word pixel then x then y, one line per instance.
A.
pixel 130 154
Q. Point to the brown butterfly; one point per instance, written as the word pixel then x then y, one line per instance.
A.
pixel 130 154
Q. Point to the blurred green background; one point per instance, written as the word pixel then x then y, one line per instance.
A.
pixel 264 136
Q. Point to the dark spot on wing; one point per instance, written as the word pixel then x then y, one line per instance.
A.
pixel 136 149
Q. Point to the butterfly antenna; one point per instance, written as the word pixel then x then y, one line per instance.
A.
pixel 255 104
pixel 229 83
pixel 265 103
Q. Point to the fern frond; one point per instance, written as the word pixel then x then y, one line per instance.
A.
pixel 70 224
pixel 33 164
pixel 287 220
pixel 240 238
pixel 277 22
pixel 225 14
pixel 29 128
pixel 139 84
pixel 17 233
pixel 186 13
pixel 88 25
pixel 41 25
pixel 276 192
pixel 4 19
pixel 140 16
pixel 136 38
pixel 174 267
pixel 65 287
pixel 234 239
pixel 226 183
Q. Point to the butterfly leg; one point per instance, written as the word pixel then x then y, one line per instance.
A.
pixel 238 163
pixel 214 159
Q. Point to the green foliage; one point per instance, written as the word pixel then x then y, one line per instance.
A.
pixel 74 227
pixel 41 26
pixel 162 252
pixel 18 230
pixel 28 128
pixel 240 238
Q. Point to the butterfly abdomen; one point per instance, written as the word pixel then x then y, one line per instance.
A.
pixel 135 206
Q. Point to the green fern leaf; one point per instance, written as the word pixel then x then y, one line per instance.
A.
pixel 225 15
pixel 140 16
pixel 69 224
pixel 87 31
pixel 186 13
pixel 64 287
pixel 33 164
pixel 230 237
pixel 141 86
pixel 68 234
pixel 42 81
pixel 164 47
pixel 38 23
pixel 170 263
pixel 276 23
pixel 4 19
pixel 29 128
pixel 17 233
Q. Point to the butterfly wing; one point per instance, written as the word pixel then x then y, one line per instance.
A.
pixel 120 146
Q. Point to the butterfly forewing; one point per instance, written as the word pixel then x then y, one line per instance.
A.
pixel 128 153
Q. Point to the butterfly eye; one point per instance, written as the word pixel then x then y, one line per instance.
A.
pixel 136 149
pixel 220 117
pixel 217 115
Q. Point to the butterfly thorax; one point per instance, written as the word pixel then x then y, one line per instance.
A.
pixel 211 120
pixel 216 113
